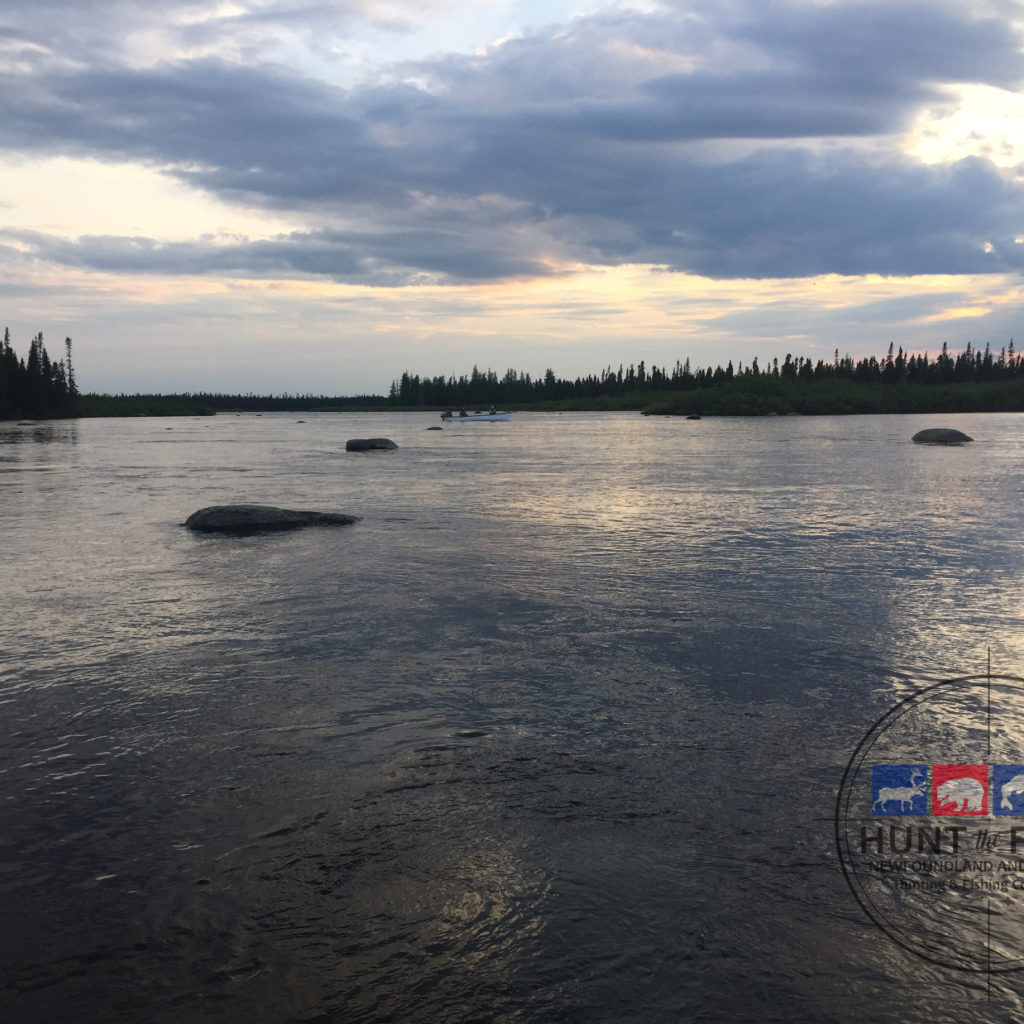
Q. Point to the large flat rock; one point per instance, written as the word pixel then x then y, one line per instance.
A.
pixel 253 518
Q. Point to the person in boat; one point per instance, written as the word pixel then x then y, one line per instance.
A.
pixel 462 412
pixel 491 411
pixel 448 412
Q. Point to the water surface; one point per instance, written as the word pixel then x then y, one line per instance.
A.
pixel 553 734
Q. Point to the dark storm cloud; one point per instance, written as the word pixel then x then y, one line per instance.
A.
pixel 602 142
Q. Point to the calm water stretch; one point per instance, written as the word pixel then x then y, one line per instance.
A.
pixel 554 734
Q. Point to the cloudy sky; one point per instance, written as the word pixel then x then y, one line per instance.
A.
pixel 315 195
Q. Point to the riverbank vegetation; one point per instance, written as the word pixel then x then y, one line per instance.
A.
pixel 207 404
pixel 973 380
pixel 141 405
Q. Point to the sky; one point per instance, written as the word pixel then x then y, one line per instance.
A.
pixel 309 196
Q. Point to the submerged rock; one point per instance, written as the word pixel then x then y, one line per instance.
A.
pixel 369 444
pixel 251 518
pixel 940 435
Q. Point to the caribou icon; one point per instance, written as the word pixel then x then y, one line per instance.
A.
pixel 903 795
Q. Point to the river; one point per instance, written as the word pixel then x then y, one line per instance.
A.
pixel 554 733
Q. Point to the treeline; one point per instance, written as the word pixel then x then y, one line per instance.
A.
pixel 895 368
pixel 281 403
pixel 205 403
pixel 36 387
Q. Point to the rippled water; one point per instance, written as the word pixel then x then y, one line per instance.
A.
pixel 553 734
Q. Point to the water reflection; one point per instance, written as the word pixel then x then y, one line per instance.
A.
pixel 39 432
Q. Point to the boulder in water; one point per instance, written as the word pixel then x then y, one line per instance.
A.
pixel 940 435
pixel 370 444
pixel 254 518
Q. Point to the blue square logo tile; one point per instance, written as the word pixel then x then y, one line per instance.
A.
pixel 899 790
pixel 1008 789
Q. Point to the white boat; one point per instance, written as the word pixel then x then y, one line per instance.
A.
pixel 475 417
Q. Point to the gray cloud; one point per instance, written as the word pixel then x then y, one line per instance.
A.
pixel 135 32
pixel 882 47
pixel 600 148
pixel 396 259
